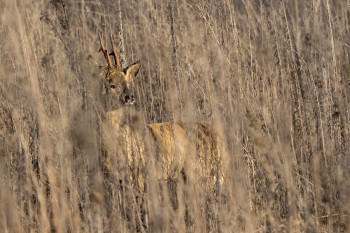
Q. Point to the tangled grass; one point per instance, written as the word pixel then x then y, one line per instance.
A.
pixel 270 76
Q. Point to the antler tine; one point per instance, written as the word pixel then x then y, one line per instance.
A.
pixel 105 52
pixel 117 63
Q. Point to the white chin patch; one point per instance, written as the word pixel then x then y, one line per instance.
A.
pixel 129 103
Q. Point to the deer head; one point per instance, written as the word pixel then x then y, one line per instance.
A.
pixel 116 83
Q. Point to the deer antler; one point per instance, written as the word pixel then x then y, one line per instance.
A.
pixel 105 52
pixel 116 58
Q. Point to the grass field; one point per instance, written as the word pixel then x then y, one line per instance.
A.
pixel 272 78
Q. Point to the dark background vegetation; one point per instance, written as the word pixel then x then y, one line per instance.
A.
pixel 272 77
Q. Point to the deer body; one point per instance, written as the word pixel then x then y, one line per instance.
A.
pixel 131 141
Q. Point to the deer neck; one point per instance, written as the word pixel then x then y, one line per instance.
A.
pixel 126 117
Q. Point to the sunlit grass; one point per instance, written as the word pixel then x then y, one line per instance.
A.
pixel 270 77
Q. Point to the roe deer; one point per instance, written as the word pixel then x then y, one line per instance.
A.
pixel 175 145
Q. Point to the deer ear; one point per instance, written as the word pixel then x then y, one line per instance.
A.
pixel 132 71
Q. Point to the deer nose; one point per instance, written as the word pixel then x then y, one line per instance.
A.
pixel 129 99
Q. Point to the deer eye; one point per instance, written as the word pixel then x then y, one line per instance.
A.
pixel 113 86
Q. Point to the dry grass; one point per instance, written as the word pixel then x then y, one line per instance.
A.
pixel 271 76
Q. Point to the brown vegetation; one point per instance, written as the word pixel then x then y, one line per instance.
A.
pixel 271 78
